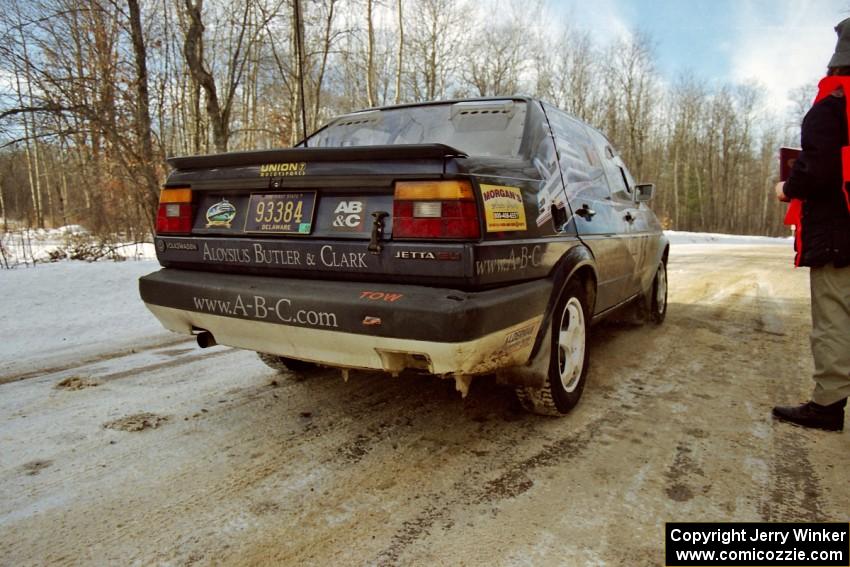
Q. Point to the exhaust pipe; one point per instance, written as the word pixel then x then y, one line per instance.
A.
pixel 206 339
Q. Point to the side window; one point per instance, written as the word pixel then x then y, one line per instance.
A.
pixel 618 175
pixel 545 159
pixel 624 172
pixel 578 157
pixel 539 142
pixel 619 182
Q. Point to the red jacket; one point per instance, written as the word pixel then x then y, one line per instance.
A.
pixel 818 183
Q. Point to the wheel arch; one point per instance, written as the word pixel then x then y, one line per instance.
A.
pixel 577 262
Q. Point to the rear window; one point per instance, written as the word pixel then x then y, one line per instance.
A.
pixel 478 128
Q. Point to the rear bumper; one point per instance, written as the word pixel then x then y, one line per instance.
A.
pixel 355 325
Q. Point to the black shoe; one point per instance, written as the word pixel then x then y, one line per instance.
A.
pixel 810 414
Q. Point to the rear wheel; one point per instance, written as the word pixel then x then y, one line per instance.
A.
pixel 568 359
pixel 285 364
pixel 651 305
pixel 658 299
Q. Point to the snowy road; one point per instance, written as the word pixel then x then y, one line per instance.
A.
pixel 245 466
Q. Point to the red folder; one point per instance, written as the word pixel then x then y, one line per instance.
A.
pixel 787 157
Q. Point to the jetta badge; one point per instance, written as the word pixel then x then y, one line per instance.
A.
pixel 221 214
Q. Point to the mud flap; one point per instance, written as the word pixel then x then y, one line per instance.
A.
pixel 535 372
pixel 636 312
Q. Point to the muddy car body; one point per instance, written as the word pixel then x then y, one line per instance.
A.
pixel 459 238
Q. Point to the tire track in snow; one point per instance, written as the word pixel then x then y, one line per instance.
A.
pixel 8 379
pixel 514 476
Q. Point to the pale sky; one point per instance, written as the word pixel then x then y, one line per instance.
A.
pixel 779 43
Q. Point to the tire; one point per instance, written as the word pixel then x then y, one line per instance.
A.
pixel 284 364
pixel 658 295
pixel 568 358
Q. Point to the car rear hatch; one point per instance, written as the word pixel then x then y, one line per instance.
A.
pixel 322 213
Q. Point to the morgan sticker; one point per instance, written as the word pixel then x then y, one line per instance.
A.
pixel 503 208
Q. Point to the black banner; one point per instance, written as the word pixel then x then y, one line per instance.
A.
pixel 692 544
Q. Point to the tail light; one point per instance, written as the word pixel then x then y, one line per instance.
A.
pixel 435 209
pixel 175 211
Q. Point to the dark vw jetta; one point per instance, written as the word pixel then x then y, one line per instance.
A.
pixel 458 238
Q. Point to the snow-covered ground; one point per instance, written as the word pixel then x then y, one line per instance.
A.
pixel 72 310
pixel 176 455
pixel 32 246
pixel 681 237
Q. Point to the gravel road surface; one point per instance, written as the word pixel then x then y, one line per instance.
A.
pixel 174 455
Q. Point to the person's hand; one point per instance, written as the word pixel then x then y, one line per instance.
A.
pixel 780 192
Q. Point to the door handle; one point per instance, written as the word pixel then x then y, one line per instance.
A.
pixel 586 212
pixel 629 218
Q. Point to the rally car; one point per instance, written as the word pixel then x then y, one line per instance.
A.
pixel 458 238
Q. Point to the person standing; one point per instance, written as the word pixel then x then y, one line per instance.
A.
pixel 818 190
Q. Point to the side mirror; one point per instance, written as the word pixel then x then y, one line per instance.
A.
pixel 644 192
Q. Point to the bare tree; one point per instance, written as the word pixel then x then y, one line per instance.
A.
pixel 218 110
pixel 436 39
pixel 632 78
pixel 370 57
pixel 499 53
pixel 400 53
pixel 142 121
pixel 99 92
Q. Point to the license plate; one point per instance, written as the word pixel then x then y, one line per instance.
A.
pixel 281 213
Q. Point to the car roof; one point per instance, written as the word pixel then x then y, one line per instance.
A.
pixel 446 101
pixel 526 99
pixel 523 98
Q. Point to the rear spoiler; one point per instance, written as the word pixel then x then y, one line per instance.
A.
pixel 350 153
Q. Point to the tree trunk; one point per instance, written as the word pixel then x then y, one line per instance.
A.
pixel 326 48
pixel 370 57
pixel 150 190
pixel 3 209
pixel 299 49
pixel 193 50
pixel 32 157
pixel 676 186
pixel 399 63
